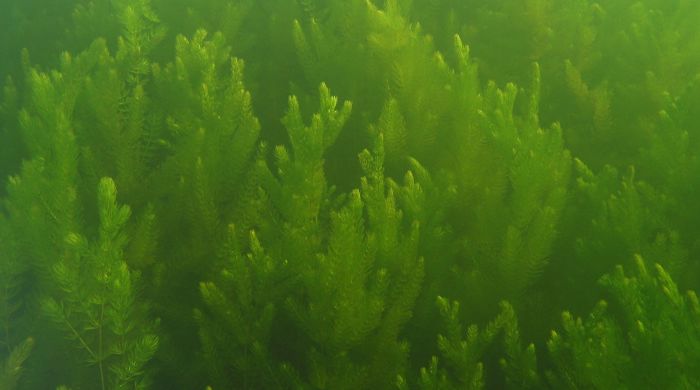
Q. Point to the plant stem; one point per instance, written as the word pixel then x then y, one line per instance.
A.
pixel 82 342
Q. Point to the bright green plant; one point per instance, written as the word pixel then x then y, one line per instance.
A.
pixel 97 304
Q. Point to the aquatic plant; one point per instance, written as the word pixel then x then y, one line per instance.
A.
pixel 275 194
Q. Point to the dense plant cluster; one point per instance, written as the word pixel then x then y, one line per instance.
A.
pixel 349 194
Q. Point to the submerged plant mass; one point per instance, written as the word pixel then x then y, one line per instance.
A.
pixel 349 194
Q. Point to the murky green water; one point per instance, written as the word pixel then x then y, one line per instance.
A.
pixel 347 194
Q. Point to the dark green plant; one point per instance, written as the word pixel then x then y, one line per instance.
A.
pixel 647 338
pixel 12 366
pixel 462 352
pixel 13 352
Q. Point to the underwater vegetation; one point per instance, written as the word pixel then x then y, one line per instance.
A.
pixel 349 194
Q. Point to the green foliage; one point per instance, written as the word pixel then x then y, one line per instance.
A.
pixel 209 138
pixel 235 327
pixel 516 210
pixel 463 351
pixel 12 272
pixel 298 191
pixel 96 306
pixel 612 217
pixel 648 339
pixel 12 148
pixel 12 367
pixel 449 175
